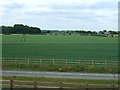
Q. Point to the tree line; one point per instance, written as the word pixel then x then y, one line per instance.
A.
pixel 81 32
pixel 25 29
pixel 20 29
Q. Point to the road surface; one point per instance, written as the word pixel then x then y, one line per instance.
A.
pixel 60 75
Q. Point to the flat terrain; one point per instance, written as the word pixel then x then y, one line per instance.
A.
pixel 60 47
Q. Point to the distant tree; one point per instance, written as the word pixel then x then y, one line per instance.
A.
pixel 104 30
pixel 101 32
pixel 94 32
pixel 48 31
pixel 20 29
pixel 7 29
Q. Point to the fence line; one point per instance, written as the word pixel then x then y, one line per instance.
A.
pixel 40 84
pixel 66 62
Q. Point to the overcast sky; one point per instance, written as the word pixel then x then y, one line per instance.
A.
pixel 61 14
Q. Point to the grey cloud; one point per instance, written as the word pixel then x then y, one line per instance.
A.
pixel 12 10
pixel 71 12
pixel 67 15
pixel 99 5
pixel 14 6
pixel 68 7
pixel 105 5
pixel 72 17
pixel 72 8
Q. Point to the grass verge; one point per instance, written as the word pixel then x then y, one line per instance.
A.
pixel 61 68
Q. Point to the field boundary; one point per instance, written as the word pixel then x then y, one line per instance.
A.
pixel 39 61
pixel 43 84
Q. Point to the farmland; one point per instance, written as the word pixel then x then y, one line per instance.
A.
pixel 60 47
pixel 32 49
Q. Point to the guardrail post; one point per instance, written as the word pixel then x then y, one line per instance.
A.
pixel 61 84
pixel 4 60
pixel 53 61
pixel 105 63
pixel 16 61
pixel 40 60
pixel 79 62
pixel 35 85
pixel 113 86
pixel 93 63
pixel 86 86
pixel 28 61
pixel 66 62
pixel 11 84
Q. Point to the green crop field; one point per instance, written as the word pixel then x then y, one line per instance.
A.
pixel 60 47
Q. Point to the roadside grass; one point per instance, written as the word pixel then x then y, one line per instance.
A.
pixel 61 68
pixel 56 81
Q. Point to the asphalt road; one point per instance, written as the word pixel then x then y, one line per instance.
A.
pixel 60 75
